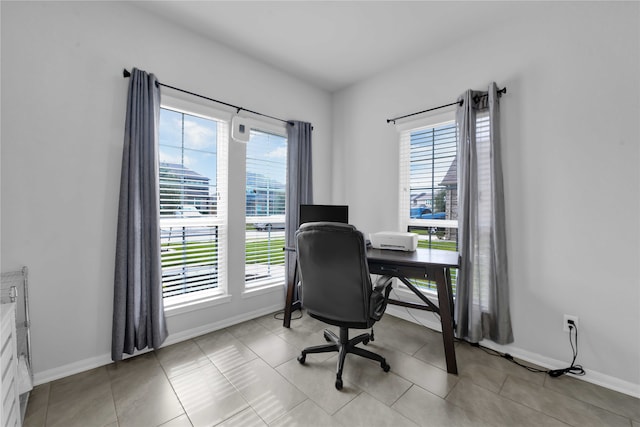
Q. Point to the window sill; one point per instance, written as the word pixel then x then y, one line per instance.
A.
pixel 180 305
pixel 261 290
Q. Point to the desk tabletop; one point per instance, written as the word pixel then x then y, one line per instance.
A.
pixel 421 256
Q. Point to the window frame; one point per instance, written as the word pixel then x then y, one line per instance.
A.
pixel 273 284
pixel 179 304
pixel 442 117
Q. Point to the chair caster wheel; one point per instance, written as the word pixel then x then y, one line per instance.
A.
pixel 365 341
pixel 327 338
pixel 385 367
pixel 339 384
pixel 302 358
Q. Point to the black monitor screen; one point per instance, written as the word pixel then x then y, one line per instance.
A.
pixel 330 213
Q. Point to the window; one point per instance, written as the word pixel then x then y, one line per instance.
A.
pixel 192 172
pixel 266 169
pixel 428 185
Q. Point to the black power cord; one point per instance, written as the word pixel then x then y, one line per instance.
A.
pixel 573 369
pixel 508 357
pixel 279 313
pixel 573 331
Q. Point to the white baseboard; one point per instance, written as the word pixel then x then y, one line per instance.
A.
pixel 591 376
pixel 205 329
pixel 105 359
pixel 70 369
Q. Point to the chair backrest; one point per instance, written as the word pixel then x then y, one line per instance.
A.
pixel 336 284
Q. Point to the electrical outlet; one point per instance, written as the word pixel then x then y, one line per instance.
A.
pixel 565 324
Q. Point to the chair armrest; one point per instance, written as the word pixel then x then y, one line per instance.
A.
pixel 383 283
pixel 379 297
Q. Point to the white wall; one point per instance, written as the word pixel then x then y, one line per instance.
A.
pixel 63 108
pixel 570 139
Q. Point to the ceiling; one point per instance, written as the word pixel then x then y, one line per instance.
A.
pixel 333 44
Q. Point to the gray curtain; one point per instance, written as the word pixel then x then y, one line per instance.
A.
pixel 138 311
pixel 482 291
pixel 299 185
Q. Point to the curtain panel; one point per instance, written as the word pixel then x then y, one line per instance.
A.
pixel 138 311
pixel 482 294
pixel 299 186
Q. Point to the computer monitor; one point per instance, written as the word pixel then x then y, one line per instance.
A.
pixel 330 213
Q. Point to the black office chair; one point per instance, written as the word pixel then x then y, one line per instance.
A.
pixel 337 289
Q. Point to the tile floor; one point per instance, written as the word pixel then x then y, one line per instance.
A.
pixel 247 375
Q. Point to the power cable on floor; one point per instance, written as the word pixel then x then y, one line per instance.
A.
pixel 275 315
pixel 573 369
pixel 573 336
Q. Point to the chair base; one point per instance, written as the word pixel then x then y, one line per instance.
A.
pixel 344 345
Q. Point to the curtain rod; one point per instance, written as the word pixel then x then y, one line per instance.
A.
pixel 126 73
pixel 475 98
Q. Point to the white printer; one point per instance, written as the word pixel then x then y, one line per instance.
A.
pixel 394 240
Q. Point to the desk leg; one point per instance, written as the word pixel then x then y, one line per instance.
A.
pixel 445 303
pixel 289 305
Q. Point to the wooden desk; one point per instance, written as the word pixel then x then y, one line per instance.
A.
pixel 430 264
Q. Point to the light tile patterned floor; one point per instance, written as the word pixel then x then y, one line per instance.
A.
pixel 248 375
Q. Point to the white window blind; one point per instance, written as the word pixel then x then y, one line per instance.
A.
pixel 428 202
pixel 266 168
pixel 193 212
